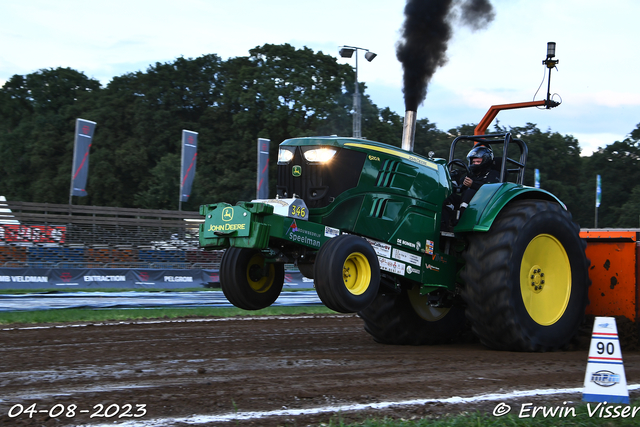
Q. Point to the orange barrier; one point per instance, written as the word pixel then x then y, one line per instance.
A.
pixel 614 271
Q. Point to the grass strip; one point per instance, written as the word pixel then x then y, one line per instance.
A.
pixel 119 290
pixel 579 415
pixel 104 315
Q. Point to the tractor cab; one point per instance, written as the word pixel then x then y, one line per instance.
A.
pixel 506 150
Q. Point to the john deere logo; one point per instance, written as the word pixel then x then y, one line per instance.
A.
pixel 227 214
pixel 296 170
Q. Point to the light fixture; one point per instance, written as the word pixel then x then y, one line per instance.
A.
pixel 550 63
pixel 369 56
pixel 346 52
pixel 551 49
pixel 285 154
pixel 318 155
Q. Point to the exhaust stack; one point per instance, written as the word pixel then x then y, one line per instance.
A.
pixel 408 130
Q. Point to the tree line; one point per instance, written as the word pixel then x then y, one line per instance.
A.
pixel 276 92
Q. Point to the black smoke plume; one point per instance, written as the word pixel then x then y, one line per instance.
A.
pixel 425 34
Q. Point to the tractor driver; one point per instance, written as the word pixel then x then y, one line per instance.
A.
pixel 481 172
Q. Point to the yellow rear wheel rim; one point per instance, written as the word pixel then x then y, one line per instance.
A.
pixel 545 279
pixel 356 273
pixel 421 306
pixel 256 278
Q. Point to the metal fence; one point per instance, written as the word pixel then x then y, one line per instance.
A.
pixel 44 235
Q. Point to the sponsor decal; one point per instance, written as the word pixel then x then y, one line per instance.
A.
pixel 301 235
pixel 432 267
pixel 278 202
pixel 381 249
pixel 23 279
pixel 374 158
pixel 305 240
pixel 331 232
pixel 429 247
pixel 605 378
pixel 227 227
pixel 411 270
pixel 438 258
pixel 407 257
pixel 145 279
pixel 293 227
pixel 105 278
pixel 392 266
pixel 296 170
pixel 178 279
pixel 405 243
pixel 32 233
pixel 227 214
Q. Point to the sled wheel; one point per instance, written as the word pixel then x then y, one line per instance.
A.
pixel 347 274
pixel 407 319
pixel 248 281
pixel 526 279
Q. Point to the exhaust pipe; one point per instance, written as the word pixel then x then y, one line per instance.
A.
pixel 408 130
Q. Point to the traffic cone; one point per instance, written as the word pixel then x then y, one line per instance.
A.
pixel 605 380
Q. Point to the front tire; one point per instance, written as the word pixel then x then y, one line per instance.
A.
pixel 347 274
pixel 248 281
pixel 408 319
pixel 526 279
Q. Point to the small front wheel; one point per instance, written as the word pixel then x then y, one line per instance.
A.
pixel 347 274
pixel 248 281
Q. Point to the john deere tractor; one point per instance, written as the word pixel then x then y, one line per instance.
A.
pixel 363 220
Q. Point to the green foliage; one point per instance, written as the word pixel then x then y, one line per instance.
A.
pixel 629 214
pixel 558 159
pixel 618 165
pixel 37 123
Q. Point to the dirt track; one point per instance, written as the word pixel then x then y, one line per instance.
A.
pixel 209 367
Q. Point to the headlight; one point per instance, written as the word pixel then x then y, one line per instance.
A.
pixel 285 154
pixel 319 155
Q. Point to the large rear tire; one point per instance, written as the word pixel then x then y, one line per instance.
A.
pixel 407 319
pixel 526 279
pixel 347 274
pixel 248 281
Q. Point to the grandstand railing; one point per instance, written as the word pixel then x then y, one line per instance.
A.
pixel 45 235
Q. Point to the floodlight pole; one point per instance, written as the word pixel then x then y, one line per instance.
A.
pixel 357 114
pixel 347 52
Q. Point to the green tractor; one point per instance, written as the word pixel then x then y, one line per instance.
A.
pixel 363 220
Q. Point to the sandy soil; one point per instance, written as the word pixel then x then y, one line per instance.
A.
pixel 207 367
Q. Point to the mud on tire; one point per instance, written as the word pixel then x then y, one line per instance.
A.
pixel 526 279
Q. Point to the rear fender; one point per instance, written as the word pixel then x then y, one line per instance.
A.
pixel 489 201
